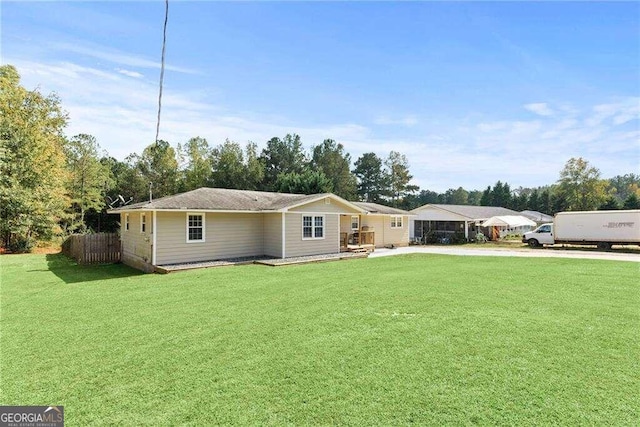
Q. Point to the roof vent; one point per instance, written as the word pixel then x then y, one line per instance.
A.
pixel 327 201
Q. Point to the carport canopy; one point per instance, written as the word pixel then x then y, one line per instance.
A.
pixel 510 221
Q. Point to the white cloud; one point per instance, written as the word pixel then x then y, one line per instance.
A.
pixel 619 112
pixel 116 56
pixel 469 152
pixel 410 120
pixel 492 127
pixel 129 73
pixel 540 108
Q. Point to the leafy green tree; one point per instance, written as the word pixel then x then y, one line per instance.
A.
pixel 255 169
pixel 130 182
pixel 426 197
pixel 413 201
pixel 307 182
pixel 581 186
pixel 282 156
pixel 474 197
pixel 195 154
pixel 99 220
pixel 330 158
pixel 89 179
pixel 631 202
pixel 624 185
pixel 371 178
pixel 228 166
pixel 610 204
pixel 458 196
pixel 399 177
pixel 33 176
pixel 158 166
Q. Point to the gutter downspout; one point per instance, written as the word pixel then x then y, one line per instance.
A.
pixel 284 235
pixel 154 240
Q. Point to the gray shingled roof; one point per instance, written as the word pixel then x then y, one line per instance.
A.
pixel 222 199
pixel 537 216
pixel 472 212
pixel 375 208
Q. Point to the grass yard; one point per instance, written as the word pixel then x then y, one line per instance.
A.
pixel 418 339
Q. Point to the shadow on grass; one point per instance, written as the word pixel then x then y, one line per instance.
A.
pixel 71 272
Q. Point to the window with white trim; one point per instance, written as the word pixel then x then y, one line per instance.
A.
pixel 355 222
pixel 396 222
pixel 312 227
pixel 143 223
pixel 195 227
pixel 126 222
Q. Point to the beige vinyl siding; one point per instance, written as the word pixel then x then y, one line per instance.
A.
pixel 321 206
pixel 375 224
pixel 227 235
pixel 296 246
pixel 136 246
pixel 396 236
pixel 345 223
pixel 384 234
pixel 272 234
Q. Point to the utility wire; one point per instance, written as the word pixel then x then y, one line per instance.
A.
pixel 164 44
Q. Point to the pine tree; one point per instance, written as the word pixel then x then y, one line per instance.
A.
pixel 330 158
pixel 399 178
pixel 372 181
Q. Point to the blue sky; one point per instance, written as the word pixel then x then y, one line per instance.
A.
pixel 472 93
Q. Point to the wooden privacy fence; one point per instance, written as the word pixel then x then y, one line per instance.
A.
pixel 93 248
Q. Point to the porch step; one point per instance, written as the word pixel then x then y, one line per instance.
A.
pixel 358 250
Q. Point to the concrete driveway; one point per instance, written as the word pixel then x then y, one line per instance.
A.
pixel 506 252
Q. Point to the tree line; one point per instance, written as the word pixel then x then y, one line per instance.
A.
pixel 53 185
pixel 579 188
pixel 282 166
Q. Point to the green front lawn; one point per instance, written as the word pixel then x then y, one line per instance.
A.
pixel 413 339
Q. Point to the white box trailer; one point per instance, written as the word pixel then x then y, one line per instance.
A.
pixel 601 228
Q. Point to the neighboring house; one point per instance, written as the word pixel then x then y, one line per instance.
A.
pixel 444 220
pixel 538 217
pixel 514 225
pixel 213 223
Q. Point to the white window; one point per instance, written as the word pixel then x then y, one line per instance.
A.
pixel 195 227
pixel 544 229
pixel 355 222
pixel 312 227
pixel 126 222
pixel 396 222
pixel 143 223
